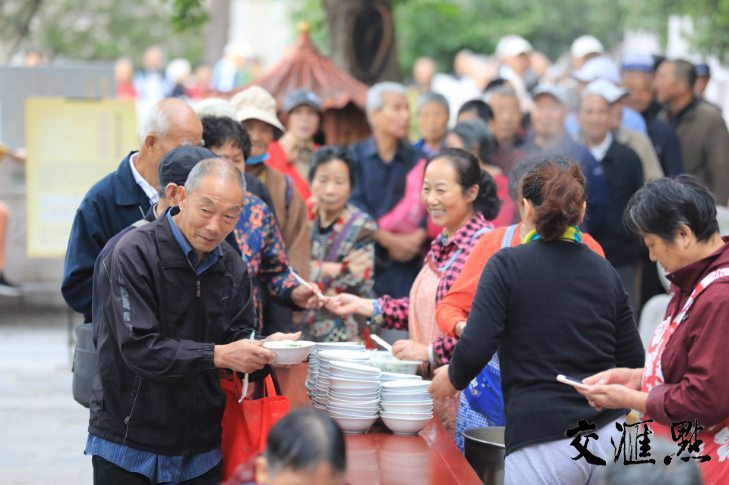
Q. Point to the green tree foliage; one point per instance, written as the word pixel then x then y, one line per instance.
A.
pixel 440 29
pixel 710 18
pixel 108 29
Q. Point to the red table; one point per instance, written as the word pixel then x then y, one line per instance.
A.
pixel 380 457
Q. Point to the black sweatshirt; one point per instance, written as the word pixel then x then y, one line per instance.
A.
pixel 549 308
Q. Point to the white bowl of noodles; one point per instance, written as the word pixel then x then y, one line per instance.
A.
pixel 289 352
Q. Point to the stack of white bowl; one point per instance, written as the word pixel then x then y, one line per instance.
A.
pixel 406 405
pixel 394 376
pixel 320 396
pixel 353 399
pixel 312 378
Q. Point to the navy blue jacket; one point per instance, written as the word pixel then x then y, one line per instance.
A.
pixel 598 198
pixel 665 141
pixel 112 204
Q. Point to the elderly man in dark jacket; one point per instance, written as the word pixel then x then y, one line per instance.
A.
pixel 176 306
pixel 700 127
pixel 123 197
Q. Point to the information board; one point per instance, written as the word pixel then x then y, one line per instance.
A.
pixel 72 144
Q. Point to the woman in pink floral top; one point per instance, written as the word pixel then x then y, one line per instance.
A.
pixel 462 198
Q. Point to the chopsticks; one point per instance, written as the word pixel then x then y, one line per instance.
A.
pixel 381 342
pixel 306 283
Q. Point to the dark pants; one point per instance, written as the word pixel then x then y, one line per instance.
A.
pixel 107 473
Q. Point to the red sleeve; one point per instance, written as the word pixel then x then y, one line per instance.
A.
pixel 592 244
pixel 703 391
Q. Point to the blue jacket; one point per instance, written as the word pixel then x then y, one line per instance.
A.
pixel 598 197
pixel 112 204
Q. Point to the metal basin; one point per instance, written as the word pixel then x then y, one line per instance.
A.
pixel 485 453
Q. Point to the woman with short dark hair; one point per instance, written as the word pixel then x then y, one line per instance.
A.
pixel 342 245
pixel 551 306
pixel 305 447
pixel 684 377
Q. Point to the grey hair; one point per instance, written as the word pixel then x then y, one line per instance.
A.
pixel 219 167
pixel 156 123
pixel 376 95
pixel 500 91
pixel 431 97
pixel 676 473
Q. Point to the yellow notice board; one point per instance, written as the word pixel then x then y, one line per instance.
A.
pixel 72 144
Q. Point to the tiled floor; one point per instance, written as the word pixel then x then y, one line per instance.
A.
pixel 42 429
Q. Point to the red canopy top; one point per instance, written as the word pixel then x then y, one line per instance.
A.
pixel 304 67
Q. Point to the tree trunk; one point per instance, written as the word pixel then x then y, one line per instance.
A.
pixel 362 39
pixel 216 30
pixel 23 29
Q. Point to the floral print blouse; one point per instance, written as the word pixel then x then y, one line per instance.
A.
pixel 322 325
pixel 264 252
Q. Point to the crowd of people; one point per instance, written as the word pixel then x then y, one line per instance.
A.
pixel 515 239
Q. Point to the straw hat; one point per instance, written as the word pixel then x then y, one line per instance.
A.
pixel 255 103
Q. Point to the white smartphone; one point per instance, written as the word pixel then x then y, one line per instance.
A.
pixel 572 382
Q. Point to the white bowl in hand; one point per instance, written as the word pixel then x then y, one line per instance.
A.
pixel 289 352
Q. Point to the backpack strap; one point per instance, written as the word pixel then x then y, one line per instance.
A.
pixel 508 236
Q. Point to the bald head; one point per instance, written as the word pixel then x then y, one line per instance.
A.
pixel 170 123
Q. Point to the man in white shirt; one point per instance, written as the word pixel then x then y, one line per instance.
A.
pixel 123 197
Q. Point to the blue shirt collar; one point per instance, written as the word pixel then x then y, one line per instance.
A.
pixel 208 260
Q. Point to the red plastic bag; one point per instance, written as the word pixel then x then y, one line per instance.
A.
pixel 246 425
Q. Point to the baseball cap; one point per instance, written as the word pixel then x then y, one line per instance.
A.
pixel 637 61
pixel 301 96
pixel 255 103
pixel 177 164
pixel 214 107
pixel 551 90
pixel 598 68
pixel 610 92
pixel 584 45
pixel 512 46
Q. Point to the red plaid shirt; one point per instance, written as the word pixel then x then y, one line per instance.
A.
pixel 395 311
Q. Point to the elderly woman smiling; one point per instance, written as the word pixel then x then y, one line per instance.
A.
pixel 684 378
pixel 462 198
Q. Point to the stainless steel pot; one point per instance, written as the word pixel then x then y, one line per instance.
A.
pixel 485 453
